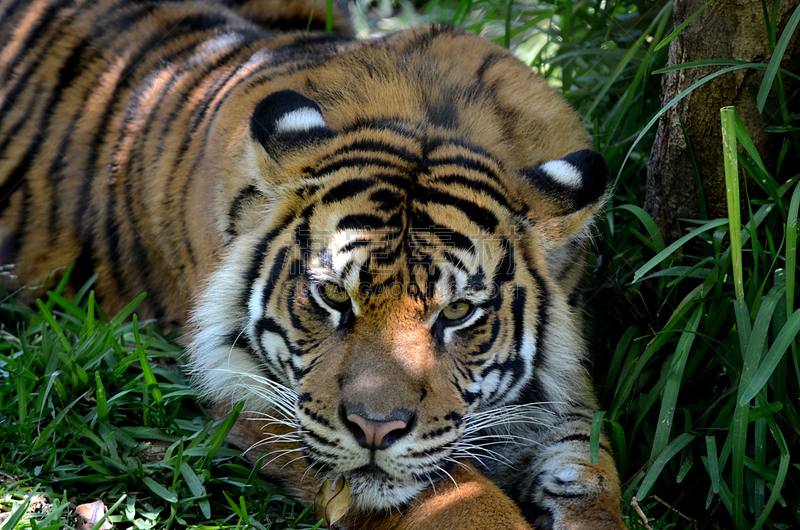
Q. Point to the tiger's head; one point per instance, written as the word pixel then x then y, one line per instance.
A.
pixel 392 284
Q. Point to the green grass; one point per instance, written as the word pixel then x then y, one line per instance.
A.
pixel 97 408
pixel 697 362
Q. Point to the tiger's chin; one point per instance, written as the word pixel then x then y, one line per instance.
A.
pixel 373 490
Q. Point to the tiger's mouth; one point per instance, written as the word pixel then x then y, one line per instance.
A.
pixel 382 479
pixel 374 489
pixel 370 471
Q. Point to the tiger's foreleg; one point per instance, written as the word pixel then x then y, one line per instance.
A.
pixel 552 479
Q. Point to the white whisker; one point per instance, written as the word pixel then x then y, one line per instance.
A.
pixel 280 454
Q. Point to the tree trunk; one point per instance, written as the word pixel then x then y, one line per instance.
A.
pixel 732 29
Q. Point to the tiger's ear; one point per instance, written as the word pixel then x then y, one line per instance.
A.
pixel 566 193
pixel 564 197
pixel 286 121
pixel 571 183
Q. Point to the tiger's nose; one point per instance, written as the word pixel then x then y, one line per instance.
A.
pixel 379 434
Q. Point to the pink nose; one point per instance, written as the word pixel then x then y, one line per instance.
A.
pixel 376 431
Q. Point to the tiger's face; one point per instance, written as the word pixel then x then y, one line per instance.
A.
pixel 399 288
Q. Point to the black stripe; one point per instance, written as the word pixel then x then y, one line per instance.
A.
pixel 352 161
pixel 426 38
pixel 10 9
pixel 319 439
pixel 274 275
pixel 17 176
pixel 214 93
pixel 362 221
pixel 187 26
pixel 493 334
pixel 135 163
pixel 389 200
pixel 347 189
pixel 378 145
pixel 354 244
pixel 421 222
pixel 455 261
pixel 572 438
pixel 437 433
pixel 478 215
pixel 41 28
pixel 439 142
pixel 462 161
pixel 84 195
pixel 236 206
pixel 316 418
pixel 488 61
pixel 256 263
pixel 473 185
pixel 66 74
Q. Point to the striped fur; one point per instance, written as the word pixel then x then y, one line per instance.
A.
pixel 235 170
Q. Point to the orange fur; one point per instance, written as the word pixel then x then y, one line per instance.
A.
pixel 233 168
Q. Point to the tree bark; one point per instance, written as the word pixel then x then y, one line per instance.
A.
pixel 732 29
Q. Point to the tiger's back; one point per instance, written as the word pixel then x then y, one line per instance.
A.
pixel 77 78
pixel 201 153
pixel 90 103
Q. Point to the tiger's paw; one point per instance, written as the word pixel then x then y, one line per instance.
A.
pixel 576 496
pixel 466 499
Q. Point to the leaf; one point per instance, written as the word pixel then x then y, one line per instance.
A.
pixel 672 387
pixel 649 224
pixel 680 28
pixel 658 464
pixel 674 101
pixel 332 500
pixel 713 463
pixel 160 490
pixel 668 251
pixel 777 56
pixel 594 436
pixel 779 346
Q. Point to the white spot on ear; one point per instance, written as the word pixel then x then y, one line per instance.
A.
pixel 302 119
pixel 563 172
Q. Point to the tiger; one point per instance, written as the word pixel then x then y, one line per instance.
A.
pixel 374 247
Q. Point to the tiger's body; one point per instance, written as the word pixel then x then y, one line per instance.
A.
pixel 376 245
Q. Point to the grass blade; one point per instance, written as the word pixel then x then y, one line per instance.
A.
pixel 99 524
pixel 674 101
pixel 791 253
pixel 160 490
pixel 594 435
pixel 777 57
pixel 670 250
pixel 647 222
pixel 713 463
pixel 782 342
pixel 51 321
pixel 219 435
pixel 730 157
pixel 680 28
pixel 658 464
pixel 673 385
pixel 100 394
pixel 17 515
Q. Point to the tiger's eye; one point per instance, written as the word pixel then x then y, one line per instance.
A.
pixel 335 294
pixel 456 310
